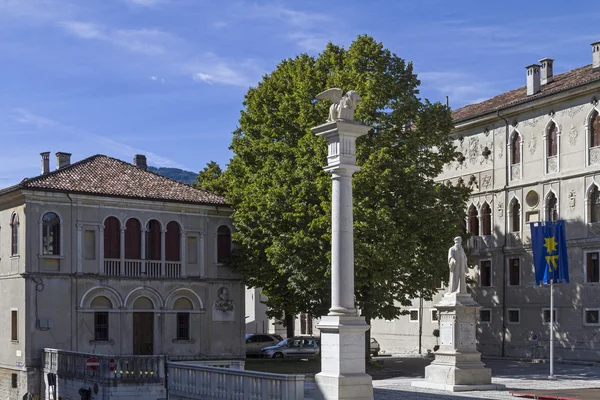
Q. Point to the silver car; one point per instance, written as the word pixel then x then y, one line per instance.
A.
pixel 256 341
pixel 296 347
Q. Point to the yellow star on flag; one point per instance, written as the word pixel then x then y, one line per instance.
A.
pixel 550 244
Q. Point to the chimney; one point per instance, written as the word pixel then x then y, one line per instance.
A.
pixel 533 79
pixel 139 160
pixel 62 159
pixel 45 162
pixel 547 74
pixel 596 55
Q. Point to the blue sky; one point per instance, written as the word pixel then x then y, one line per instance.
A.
pixel 166 78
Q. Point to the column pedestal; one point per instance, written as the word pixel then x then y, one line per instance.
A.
pixel 457 365
pixel 342 373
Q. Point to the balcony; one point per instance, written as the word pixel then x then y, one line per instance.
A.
pixel 142 268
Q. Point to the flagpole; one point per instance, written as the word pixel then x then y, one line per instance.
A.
pixel 551 329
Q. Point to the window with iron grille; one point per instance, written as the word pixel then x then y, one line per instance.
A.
pixel 183 326
pixel 514 316
pixel 546 315
pixel 413 315
pixel 591 316
pixel 485 315
pixel 14 332
pixel 101 326
pixel 592 267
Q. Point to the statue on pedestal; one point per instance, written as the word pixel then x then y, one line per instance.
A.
pixel 343 106
pixel 457 262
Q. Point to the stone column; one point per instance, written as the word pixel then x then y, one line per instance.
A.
pixel 163 267
pixel 122 262
pixel 143 250
pixel 342 373
pixel 183 253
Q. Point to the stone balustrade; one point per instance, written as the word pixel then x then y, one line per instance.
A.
pixel 196 381
pixel 142 268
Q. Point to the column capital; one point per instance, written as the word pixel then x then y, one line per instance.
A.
pixel 341 138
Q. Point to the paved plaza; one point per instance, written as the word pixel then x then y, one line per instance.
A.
pixel 515 375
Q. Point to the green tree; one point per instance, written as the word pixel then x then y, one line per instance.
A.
pixel 404 220
pixel 211 178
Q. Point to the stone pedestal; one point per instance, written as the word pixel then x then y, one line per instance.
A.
pixel 457 365
pixel 342 373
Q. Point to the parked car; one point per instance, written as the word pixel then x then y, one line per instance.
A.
pixel 374 347
pixel 256 341
pixel 296 347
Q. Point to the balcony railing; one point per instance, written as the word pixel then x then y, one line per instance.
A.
pixel 142 268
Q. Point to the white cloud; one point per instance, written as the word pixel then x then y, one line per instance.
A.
pixel 461 88
pixel 213 69
pixel 144 41
pixel 27 118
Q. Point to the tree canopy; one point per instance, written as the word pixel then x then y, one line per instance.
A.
pixel 404 220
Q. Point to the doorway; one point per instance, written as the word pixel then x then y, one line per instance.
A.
pixel 143 333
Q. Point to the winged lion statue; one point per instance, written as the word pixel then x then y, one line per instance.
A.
pixel 343 105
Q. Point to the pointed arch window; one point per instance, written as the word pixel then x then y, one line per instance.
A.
pixel 515 149
pixel 486 220
pixel 594 204
pixel 51 234
pixel 594 129
pixel 223 243
pixel 551 207
pixel 14 234
pixel 473 221
pixel 552 140
pixel 112 238
pixel 515 217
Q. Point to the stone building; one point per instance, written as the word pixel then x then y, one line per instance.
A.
pixel 105 257
pixel 530 154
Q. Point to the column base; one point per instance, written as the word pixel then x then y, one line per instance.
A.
pixel 455 388
pixel 352 386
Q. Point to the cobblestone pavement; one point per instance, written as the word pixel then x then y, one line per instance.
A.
pixel 515 375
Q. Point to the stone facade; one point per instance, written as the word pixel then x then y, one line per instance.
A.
pixel 64 289
pixel 517 176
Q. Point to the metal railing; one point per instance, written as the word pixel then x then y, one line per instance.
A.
pixel 142 268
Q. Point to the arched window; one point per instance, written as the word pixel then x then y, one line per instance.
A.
pixel 594 129
pixel 14 234
pixel 223 243
pixel 515 149
pixel 552 140
pixel 112 238
pixel 551 207
pixel 515 209
pixel 51 234
pixel 486 220
pixel 133 239
pixel 153 240
pixel 594 204
pixel 473 221
pixel 173 242
pixel 183 305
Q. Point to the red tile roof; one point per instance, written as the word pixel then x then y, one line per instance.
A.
pixel 107 176
pixel 564 81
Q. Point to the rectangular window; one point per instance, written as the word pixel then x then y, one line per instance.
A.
pixel 485 273
pixel 183 326
pixel 591 316
pixel 485 315
pixel 514 272
pixel 592 267
pixel 413 315
pixel 192 249
pixel 514 316
pixel 14 331
pixel 100 326
pixel 89 245
pixel 546 315
pixel 434 315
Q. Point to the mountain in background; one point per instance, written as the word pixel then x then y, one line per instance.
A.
pixel 187 177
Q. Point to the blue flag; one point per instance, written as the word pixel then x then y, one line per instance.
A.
pixel 549 245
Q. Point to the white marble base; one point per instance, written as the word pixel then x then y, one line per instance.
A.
pixel 455 388
pixel 342 373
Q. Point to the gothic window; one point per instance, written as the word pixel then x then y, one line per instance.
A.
pixel 516 149
pixel 486 220
pixel 112 238
pixel 153 251
pixel 473 221
pixel 51 234
pixel 223 243
pixel 133 239
pixel 594 129
pixel 14 234
pixel 173 242
pixel 551 207
pixel 551 140
pixel 594 204
pixel 515 209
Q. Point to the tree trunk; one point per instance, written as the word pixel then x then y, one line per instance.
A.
pixel 289 325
